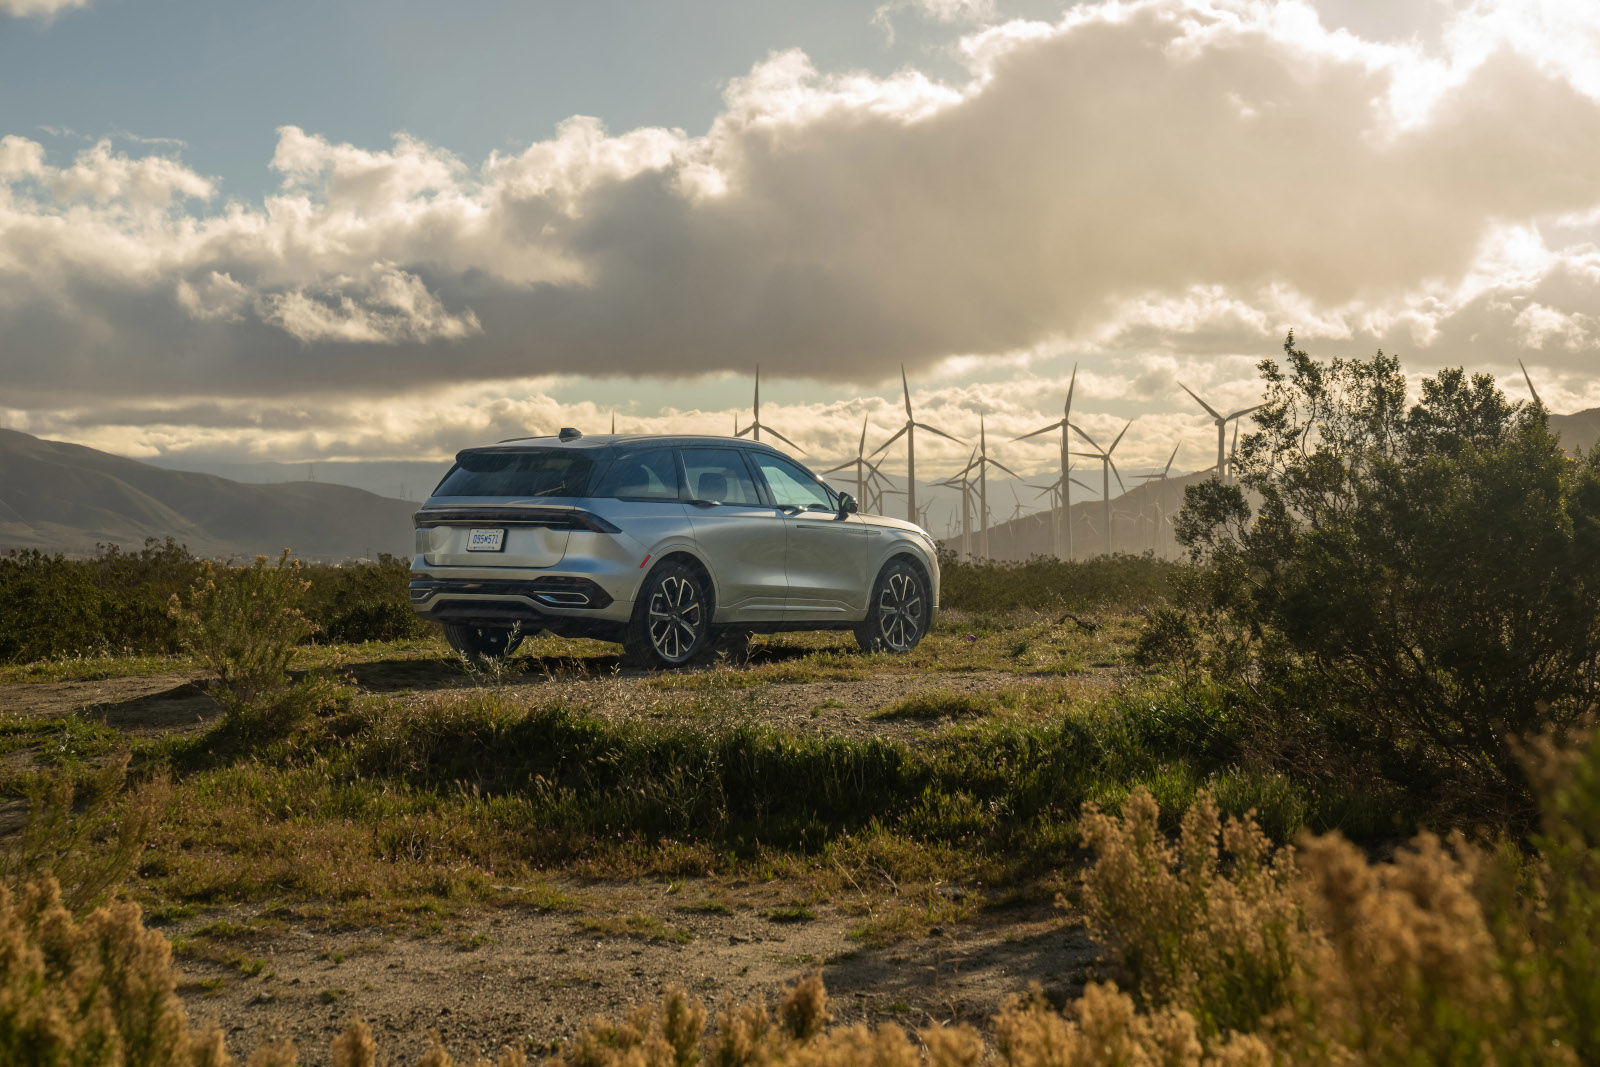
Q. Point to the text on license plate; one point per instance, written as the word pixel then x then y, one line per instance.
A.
pixel 485 540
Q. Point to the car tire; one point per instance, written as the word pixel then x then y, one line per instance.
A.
pixel 482 642
pixel 671 622
pixel 899 612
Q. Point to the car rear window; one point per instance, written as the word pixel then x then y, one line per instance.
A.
pixel 519 473
pixel 648 475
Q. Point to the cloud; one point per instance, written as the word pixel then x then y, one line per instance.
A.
pixel 42 9
pixel 1178 178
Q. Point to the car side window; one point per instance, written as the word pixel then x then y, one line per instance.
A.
pixel 791 486
pixel 718 474
pixel 647 475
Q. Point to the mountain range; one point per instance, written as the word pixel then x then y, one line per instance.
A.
pixel 60 497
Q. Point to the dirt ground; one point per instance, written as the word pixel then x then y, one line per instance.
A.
pixel 530 976
pixel 531 979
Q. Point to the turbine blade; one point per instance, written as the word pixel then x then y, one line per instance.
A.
pixel 1080 485
pixel 1170 458
pixel 1066 412
pixel 897 435
pixel 1036 433
pixel 862 447
pixel 784 439
pixel 1114 444
pixel 1242 412
pixel 907 390
pixel 941 433
pixel 1005 468
pixel 1118 473
pixel 1209 409
pixel 842 466
pixel 1529 380
pixel 747 429
pixel 1092 442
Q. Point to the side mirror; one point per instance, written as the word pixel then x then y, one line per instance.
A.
pixel 848 505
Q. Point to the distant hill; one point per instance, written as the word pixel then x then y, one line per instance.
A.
pixel 60 497
pixel 1581 429
pixel 1141 521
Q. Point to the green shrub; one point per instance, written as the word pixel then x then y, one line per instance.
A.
pixel 1045 584
pixel 118 602
pixel 1424 580
pixel 244 624
pixel 364 602
pixel 87 835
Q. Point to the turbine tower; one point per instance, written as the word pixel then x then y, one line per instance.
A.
pixel 755 427
pixel 1062 531
pixel 909 432
pixel 1222 428
pixel 1160 478
pixel 1107 468
pixel 959 481
pixel 984 463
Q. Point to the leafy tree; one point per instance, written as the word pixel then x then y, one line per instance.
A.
pixel 1431 572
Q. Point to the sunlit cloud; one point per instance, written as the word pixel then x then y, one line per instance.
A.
pixel 1157 190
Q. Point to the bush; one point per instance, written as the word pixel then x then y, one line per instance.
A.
pixel 1427 577
pixel 1215 932
pixel 118 602
pixel 1045 584
pixel 244 624
pixel 365 602
pixel 89 854
pixel 115 602
pixel 1451 952
pixel 94 991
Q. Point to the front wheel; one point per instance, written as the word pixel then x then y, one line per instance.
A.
pixel 900 610
pixel 483 642
pixel 671 620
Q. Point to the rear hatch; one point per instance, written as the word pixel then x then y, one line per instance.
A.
pixel 505 507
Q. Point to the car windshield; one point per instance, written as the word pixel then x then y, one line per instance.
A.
pixel 519 473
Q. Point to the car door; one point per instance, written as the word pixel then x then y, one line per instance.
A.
pixel 743 537
pixel 826 559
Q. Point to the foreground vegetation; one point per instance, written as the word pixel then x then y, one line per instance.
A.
pixel 1357 658
pixel 1232 952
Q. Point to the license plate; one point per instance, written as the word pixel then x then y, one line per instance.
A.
pixel 486 540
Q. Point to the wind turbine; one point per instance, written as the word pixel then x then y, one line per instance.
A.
pixel 1065 479
pixel 1107 468
pixel 1222 428
pixel 961 482
pixel 909 432
pixel 984 463
pixel 755 427
pixel 866 470
pixel 1160 478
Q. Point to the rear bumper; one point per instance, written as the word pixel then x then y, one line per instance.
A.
pixel 572 603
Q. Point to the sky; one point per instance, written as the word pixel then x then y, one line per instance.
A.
pixel 376 233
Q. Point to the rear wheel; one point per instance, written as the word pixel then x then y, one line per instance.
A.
pixel 672 619
pixel 900 610
pixel 482 642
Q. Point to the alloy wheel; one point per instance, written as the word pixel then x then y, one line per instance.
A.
pixel 900 611
pixel 676 618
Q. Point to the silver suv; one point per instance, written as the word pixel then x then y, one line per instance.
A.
pixel 668 545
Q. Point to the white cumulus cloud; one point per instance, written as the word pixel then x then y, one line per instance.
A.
pixel 1184 178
